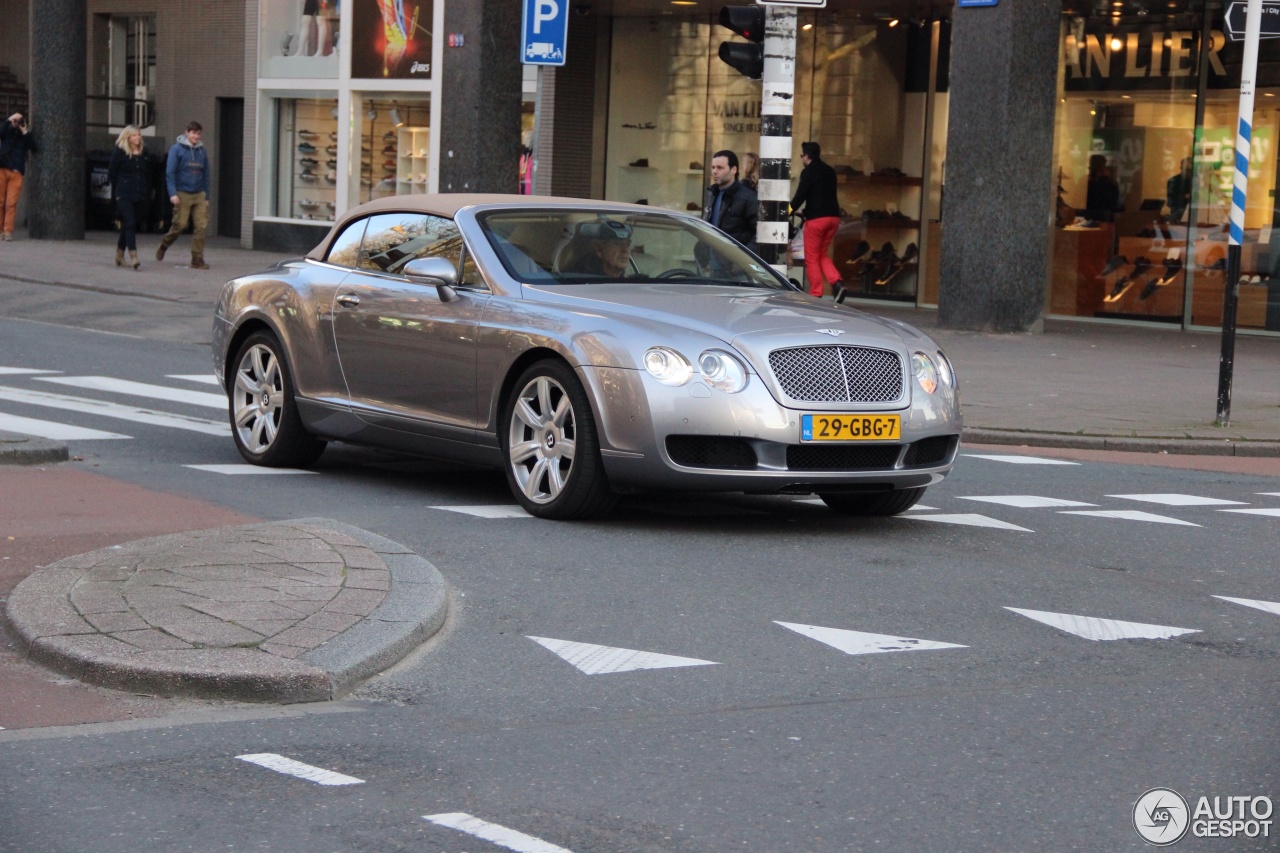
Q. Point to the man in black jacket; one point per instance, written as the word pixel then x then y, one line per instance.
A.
pixel 731 205
pixel 817 193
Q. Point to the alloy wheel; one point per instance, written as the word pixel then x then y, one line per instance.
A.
pixel 258 398
pixel 542 439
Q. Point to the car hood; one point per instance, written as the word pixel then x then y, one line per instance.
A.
pixel 748 318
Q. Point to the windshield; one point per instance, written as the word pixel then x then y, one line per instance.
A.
pixel 575 246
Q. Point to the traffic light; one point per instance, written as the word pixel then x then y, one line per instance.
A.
pixel 748 22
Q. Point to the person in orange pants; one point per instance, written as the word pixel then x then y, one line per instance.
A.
pixel 15 142
pixel 817 194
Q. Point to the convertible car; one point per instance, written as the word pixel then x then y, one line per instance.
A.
pixel 587 349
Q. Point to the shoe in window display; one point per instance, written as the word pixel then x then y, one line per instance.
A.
pixel 391 149
pixel 1113 265
pixel 332 206
pixel 1149 288
pixel 642 163
pixel 332 164
pixel 308 204
pixel 1172 266
pixel 308 134
pixel 309 162
pixel 1140 265
pixel 333 136
pixel 389 164
pixel 307 148
pixel 389 136
pixel 695 166
pixel 331 150
pixel 641 201
pixel 331 177
pixel 693 205
pixel 307 175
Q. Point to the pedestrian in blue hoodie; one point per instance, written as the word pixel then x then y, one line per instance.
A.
pixel 187 176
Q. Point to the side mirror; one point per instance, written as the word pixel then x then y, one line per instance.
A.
pixel 439 272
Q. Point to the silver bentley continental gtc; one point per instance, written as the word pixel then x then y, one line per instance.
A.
pixel 585 348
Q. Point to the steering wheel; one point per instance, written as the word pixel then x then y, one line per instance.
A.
pixel 678 272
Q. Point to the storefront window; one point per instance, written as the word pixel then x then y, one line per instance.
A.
pixel 298 38
pixel 306 158
pixel 394 146
pixel 1146 163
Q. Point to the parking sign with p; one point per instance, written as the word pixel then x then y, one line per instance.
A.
pixel 544 31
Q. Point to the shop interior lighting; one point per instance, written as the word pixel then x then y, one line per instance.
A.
pixel 684 2
pixel 371 114
pixel 894 22
pixel 807 27
pixel 1116 44
pixel 395 117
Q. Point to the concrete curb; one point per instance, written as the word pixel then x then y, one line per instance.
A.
pixel 26 450
pixel 1135 444
pixel 53 626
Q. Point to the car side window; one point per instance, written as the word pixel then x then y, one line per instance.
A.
pixel 393 239
pixel 345 248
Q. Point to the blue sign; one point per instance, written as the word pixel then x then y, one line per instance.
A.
pixel 963 3
pixel 544 31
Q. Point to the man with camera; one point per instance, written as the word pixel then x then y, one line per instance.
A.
pixel 15 142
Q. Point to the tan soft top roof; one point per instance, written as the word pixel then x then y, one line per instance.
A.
pixel 446 204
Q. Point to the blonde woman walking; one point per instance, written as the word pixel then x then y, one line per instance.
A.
pixel 130 176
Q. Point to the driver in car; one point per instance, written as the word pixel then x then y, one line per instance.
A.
pixel 609 252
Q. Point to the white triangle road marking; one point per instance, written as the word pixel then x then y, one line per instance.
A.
pixel 862 643
pixel 114 410
pixel 499 511
pixel 821 502
pixel 289 767
pixel 23 371
pixel 1270 494
pixel 593 659
pixel 141 389
pixel 53 430
pixel 199 378
pixel 246 469
pixel 1129 515
pixel 1268 606
pixel 1179 500
pixel 1093 628
pixel 1024 501
pixel 969 519
pixel 1272 511
pixel 493 832
pixel 1019 460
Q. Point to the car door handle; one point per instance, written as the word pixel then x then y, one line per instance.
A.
pixel 348 300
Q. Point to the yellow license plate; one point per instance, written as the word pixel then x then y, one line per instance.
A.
pixel 848 427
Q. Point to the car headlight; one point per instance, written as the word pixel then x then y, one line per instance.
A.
pixel 667 366
pixel 945 371
pixel 722 371
pixel 926 373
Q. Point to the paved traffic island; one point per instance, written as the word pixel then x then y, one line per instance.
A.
pixel 295 611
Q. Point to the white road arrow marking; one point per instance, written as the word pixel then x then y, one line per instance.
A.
pixel 53 430
pixel 969 519
pixel 495 833
pixel 1268 606
pixel 289 767
pixel 1093 628
pixel 862 643
pixel 141 389
pixel 500 511
pixel 593 660
pixel 113 410
pixel 1019 460
pixel 1179 500
pixel 1024 501
pixel 1129 515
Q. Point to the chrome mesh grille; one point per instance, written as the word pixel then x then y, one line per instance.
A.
pixel 838 374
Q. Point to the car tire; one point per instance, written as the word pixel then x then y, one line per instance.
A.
pixel 265 423
pixel 547 412
pixel 874 503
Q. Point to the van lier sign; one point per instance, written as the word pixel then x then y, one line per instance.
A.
pixel 1141 59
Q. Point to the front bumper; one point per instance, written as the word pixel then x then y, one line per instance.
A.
pixel 695 438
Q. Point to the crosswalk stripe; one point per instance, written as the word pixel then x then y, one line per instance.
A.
pixel 140 389
pixel 1019 460
pixel 52 430
pixel 201 378
pixel 246 469
pixel 969 519
pixel 113 410
pixel 1129 515
pixel 1178 500
pixel 494 833
pixel 289 767
pixel 1024 501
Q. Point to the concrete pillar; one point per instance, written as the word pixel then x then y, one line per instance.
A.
pixel 480 86
pixel 55 178
pixel 998 202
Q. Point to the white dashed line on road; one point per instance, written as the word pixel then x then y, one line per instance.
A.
pixel 492 832
pixel 113 410
pixel 1179 500
pixel 1129 515
pixel 140 389
pixel 53 430
pixel 289 767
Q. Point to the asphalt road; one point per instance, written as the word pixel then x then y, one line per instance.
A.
pixel 1016 734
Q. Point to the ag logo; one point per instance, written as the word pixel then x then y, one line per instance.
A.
pixel 1161 816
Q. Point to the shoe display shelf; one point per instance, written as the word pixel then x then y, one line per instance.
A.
pixel 312 182
pixel 411 159
pixel 1137 297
